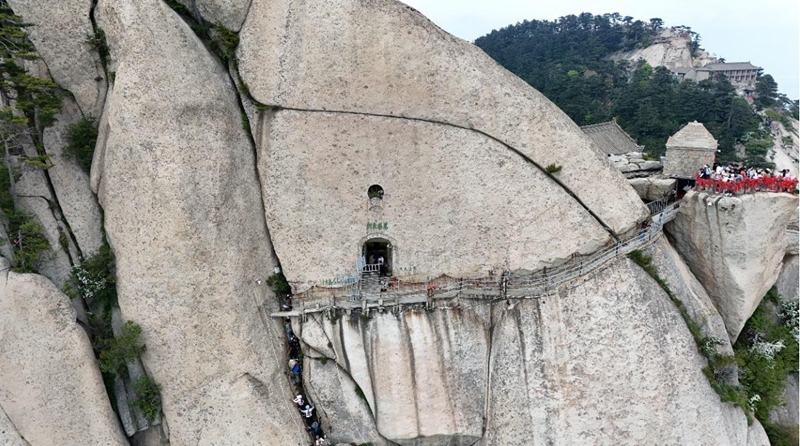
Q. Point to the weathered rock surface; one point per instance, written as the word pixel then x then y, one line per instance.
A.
pixel 671 49
pixel 50 386
pixel 477 206
pixel 59 35
pixel 788 415
pixel 413 370
pixel 756 436
pixel 230 13
pixel 792 239
pixel 184 217
pixel 37 200
pixel 788 281
pixel 71 184
pixel 609 361
pixel 385 58
pixel 685 286
pixel 8 432
pixel 347 415
pixel 735 247
pixel 651 189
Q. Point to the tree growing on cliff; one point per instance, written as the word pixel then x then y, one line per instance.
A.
pixel 115 352
pixel 766 91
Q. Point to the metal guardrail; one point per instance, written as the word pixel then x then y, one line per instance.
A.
pixel 506 285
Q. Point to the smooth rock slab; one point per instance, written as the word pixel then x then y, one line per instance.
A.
pixel 455 202
pixel 71 183
pixel 383 57
pixel 50 385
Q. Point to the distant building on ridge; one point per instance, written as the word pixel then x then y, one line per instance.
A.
pixel 741 73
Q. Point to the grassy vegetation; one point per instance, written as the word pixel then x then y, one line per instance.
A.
pixel 149 400
pixel 279 284
pixel 114 352
pixel 97 42
pixel 553 168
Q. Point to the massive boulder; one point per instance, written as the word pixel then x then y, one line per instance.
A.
pixel 174 173
pixel 50 387
pixel 651 189
pixel 384 58
pixel 59 32
pixel 606 361
pixel 735 247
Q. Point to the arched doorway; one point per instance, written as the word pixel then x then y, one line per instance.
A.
pixel 378 255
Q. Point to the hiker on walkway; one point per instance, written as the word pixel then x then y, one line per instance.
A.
pixel 381 264
pixel 320 441
pixel 299 401
pixel 315 427
pixel 308 412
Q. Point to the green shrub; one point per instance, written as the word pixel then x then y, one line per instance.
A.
pixel 553 168
pixel 149 400
pixel 279 284
pixel 30 245
pixel 114 352
pixel 37 162
pixel 177 7
pixel 780 435
pixel 81 139
pixel 767 352
pixel 97 41
pixel 95 279
pixel 360 393
pixel 225 42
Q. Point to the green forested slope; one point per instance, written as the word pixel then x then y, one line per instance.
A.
pixel 568 61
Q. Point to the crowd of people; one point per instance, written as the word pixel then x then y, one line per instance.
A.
pixel 306 409
pixel 731 180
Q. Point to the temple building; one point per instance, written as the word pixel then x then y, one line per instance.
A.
pixel 737 72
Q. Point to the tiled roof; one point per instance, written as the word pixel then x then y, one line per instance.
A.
pixel 610 138
pixel 692 135
pixel 727 66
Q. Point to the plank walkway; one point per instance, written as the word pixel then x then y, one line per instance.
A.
pixel 450 291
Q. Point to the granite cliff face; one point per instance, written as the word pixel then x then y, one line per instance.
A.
pixel 671 49
pixel 606 362
pixel 212 171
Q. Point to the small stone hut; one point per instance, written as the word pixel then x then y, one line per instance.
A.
pixel 688 149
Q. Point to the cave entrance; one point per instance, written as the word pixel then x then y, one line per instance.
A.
pixel 378 255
